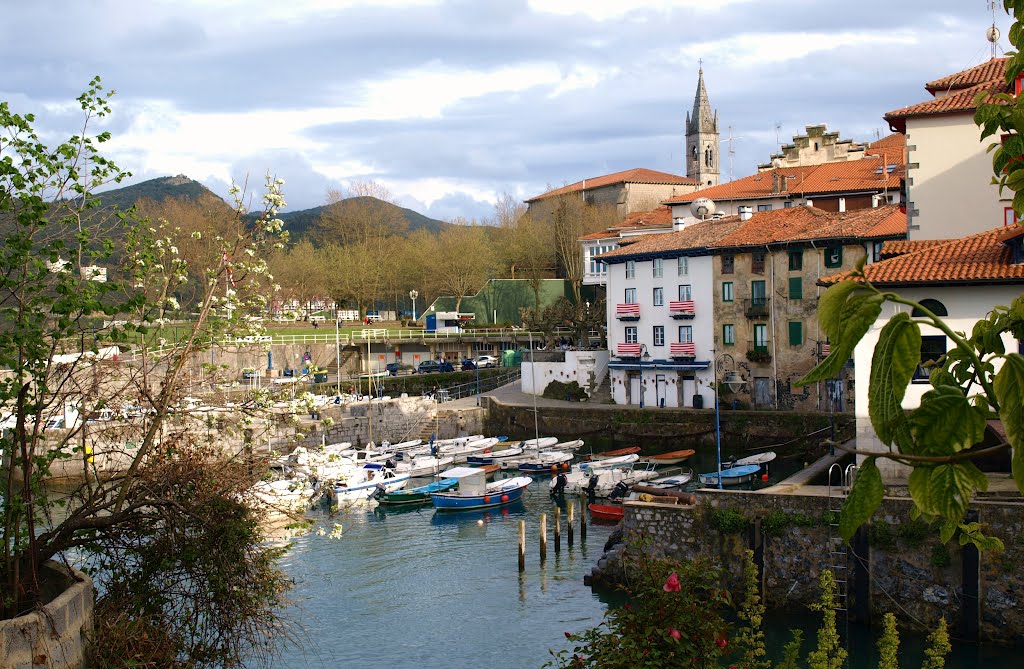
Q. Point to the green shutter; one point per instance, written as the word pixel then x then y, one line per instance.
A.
pixel 834 256
pixel 796 288
pixel 796 333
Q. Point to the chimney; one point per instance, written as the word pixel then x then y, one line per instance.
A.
pixel 746 212
pixel 678 223
pixel 776 188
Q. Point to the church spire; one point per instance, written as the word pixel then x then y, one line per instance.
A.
pixel 702 137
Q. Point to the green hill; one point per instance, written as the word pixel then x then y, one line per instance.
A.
pixel 300 223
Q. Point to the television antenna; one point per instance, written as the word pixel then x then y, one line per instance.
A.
pixel 731 151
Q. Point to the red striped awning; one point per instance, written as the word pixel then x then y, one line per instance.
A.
pixel 628 350
pixel 684 349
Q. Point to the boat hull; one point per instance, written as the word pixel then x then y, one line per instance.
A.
pixel 414 496
pixel 672 458
pixel 458 502
pixel 730 477
pixel 606 511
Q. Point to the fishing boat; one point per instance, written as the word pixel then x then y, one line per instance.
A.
pixel 362 483
pixel 675 479
pixel 538 443
pixel 602 481
pixel 495 456
pixel 546 461
pixel 606 511
pixel 670 458
pixel 606 463
pixel 418 495
pixel 571 445
pixel 618 452
pixel 732 475
pixel 474 492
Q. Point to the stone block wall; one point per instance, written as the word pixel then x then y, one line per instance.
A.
pixel 54 637
pixel 903 567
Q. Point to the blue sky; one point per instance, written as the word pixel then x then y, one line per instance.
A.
pixel 450 103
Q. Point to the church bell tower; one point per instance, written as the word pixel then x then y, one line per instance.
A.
pixel 702 159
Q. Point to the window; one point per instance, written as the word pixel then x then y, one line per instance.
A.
pixel 631 296
pixel 758 293
pixel 659 335
pixel 757 262
pixel 761 338
pixel 788 204
pixel 796 288
pixel 728 263
pixel 834 256
pixel 685 334
pixel 659 297
pixel 933 347
pixel 630 269
pixel 876 251
pixel 685 292
pixel 658 267
pixel 764 207
pixel 631 335
pixel 796 333
pixel 1009 216
pixel 727 291
pixel 682 266
pixel 934 306
pixel 796 260
pixel 728 334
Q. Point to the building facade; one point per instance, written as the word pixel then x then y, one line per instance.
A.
pixel 816 146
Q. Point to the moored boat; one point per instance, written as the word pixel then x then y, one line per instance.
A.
pixel 362 483
pixel 546 461
pixel 495 456
pixel 606 511
pixel 615 453
pixel 731 475
pixel 418 495
pixel 676 479
pixel 474 492
pixel 617 461
pixel 670 458
pixel 755 459
pixel 540 442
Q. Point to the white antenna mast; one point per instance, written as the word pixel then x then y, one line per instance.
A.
pixel 731 152
pixel 778 142
pixel 992 34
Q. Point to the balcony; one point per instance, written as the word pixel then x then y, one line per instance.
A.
pixel 681 309
pixel 760 353
pixel 628 350
pixel 627 312
pixel 824 349
pixel 683 349
pixel 757 307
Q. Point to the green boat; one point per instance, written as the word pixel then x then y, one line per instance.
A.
pixel 420 495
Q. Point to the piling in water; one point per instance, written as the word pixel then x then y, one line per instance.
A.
pixel 571 520
pixel 522 545
pixel 558 530
pixel 543 536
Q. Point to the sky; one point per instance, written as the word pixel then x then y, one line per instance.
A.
pixel 449 104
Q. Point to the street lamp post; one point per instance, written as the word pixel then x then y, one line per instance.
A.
pixel 476 365
pixel 337 349
pixel 413 294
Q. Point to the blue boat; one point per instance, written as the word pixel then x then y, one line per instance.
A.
pixel 547 461
pixel 732 475
pixel 474 492
pixel 419 495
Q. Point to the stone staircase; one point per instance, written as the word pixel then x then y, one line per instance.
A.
pixel 603 393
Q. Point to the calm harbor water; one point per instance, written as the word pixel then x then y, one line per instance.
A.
pixel 421 589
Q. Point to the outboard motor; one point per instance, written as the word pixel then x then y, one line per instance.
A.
pixel 559 488
pixel 592 488
pixel 619 491
pixel 378 492
pixel 390 463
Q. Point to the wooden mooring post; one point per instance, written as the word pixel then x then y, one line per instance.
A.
pixel 583 520
pixel 571 520
pixel 558 530
pixel 543 536
pixel 522 545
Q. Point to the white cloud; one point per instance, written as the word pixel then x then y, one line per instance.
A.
pixel 606 10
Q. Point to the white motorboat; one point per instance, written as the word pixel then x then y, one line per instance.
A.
pixel 539 443
pixel 610 462
pixel 671 480
pixel 361 484
pixel 424 465
pixel 571 445
pixel 603 480
pixel 462 451
pixel 755 459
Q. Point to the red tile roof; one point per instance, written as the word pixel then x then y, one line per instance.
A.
pixel 639 221
pixel 991 70
pixel 986 257
pixel 638 175
pixel 896 140
pixel 808 181
pixel 898 247
pixel 963 88
pixel 796 224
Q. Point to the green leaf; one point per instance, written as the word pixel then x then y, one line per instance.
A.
pixel 947 530
pixel 919 486
pixel 951 486
pixel 863 500
pixel 850 320
pixel 832 306
pixel 945 422
pixel 896 356
pixel 1009 390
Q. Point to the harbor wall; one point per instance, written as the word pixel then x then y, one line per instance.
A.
pixel 895 565
pixel 684 428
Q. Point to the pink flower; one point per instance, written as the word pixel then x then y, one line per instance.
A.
pixel 674 633
pixel 568 635
pixel 672 584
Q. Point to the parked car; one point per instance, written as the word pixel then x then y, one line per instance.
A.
pixel 487 361
pixel 468 365
pixel 428 366
pixel 445 366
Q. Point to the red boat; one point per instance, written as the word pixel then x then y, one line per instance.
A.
pixel 671 458
pixel 618 452
pixel 606 511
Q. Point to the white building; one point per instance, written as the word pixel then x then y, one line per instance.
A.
pixel 949 170
pixel 595 273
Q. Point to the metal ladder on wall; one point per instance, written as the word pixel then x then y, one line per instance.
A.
pixel 840 481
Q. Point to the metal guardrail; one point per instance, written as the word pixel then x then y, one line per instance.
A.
pixel 484 385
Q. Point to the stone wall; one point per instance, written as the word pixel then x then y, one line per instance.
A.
pixel 896 564
pixel 54 637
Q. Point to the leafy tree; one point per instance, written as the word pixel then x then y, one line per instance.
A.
pixel 889 644
pixel 170 514
pixel 464 261
pixel 829 654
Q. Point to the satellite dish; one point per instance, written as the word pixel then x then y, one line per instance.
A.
pixel 702 207
pixel 992 34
